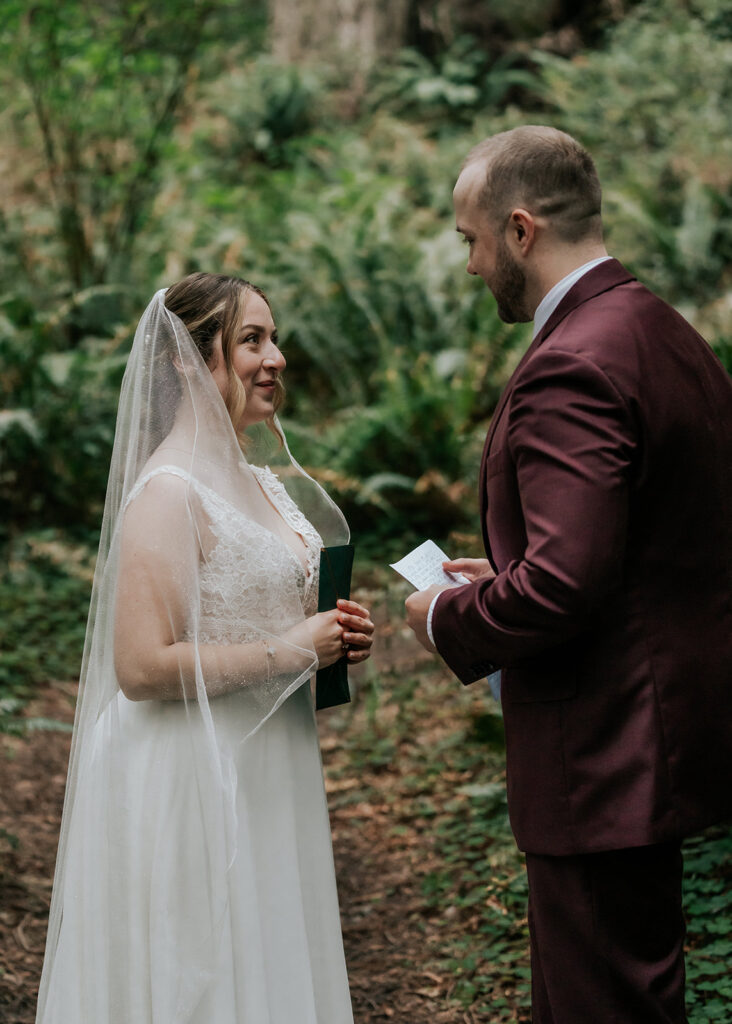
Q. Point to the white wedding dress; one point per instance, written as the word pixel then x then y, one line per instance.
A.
pixel 278 955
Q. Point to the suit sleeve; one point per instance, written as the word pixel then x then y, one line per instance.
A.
pixel 572 441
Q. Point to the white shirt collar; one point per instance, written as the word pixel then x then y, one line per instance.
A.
pixel 555 295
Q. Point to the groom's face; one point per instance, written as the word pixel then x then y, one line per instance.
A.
pixel 489 256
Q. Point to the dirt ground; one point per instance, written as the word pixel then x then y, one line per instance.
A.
pixel 392 943
pixel 32 782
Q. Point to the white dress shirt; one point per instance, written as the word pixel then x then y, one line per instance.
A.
pixel 543 311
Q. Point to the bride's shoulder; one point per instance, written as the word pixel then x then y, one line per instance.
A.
pixel 162 486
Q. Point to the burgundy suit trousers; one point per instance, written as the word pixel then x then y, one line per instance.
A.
pixel 607 937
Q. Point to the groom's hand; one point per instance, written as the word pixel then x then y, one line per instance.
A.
pixel 471 568
pixel 418 605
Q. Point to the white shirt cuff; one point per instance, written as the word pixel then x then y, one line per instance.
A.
pixel 429 620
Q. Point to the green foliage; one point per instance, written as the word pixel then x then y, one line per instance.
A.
pixel 447 91
pixel 259 112
pixel 9 838
pixel 653 108
pixel 708 906
pixel 102 86
pixel 57 427
pixel 44 600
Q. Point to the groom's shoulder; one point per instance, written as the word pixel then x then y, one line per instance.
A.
pixel 619 324
pixel 625 335
pixel 626 304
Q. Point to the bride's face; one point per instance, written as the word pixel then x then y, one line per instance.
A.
pixel 255 359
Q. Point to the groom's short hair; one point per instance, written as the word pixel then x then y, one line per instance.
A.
pixel 547 172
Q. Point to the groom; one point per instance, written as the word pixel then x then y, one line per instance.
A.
pixel 606 599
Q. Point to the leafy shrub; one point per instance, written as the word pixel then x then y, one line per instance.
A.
pixel 57 424
pixel 708 908
pixel 653 108
pixel 91 96
pixel 256 113
pixel 44 600
pixel 447 91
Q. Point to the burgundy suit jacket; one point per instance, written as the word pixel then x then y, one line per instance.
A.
pixel 606 506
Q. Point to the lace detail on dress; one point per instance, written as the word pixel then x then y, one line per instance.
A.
pixel 276 492
pixel 252 585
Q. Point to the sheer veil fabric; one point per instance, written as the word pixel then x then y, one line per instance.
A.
pixel 168 797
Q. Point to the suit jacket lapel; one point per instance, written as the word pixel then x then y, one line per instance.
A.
pixel 600 279
pixel 507 391
pixel 483 489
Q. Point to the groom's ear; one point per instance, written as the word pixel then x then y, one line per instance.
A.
pixel 521 232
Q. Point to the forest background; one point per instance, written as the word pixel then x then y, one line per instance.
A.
pixel 312 147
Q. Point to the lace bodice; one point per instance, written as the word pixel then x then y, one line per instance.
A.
pixel 250 579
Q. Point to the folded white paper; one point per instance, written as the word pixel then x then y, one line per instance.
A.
pixel 423 567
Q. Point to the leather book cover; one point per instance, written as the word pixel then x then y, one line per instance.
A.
pixel 336 565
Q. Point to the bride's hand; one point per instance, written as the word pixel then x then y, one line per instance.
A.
pixel 358 632
pixel 345 628
pixel 471 568
pixel 324 633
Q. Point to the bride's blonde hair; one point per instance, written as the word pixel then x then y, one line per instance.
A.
pixel 207 304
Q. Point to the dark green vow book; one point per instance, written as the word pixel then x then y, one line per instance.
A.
pixel 336 563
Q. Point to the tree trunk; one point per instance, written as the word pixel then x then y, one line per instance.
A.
pixel 360 30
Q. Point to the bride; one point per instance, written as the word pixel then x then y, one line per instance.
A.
pixel 194 881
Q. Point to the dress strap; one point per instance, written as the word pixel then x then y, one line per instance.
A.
pixel 158 471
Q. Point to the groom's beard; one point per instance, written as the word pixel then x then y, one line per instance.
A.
pixel 509 287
